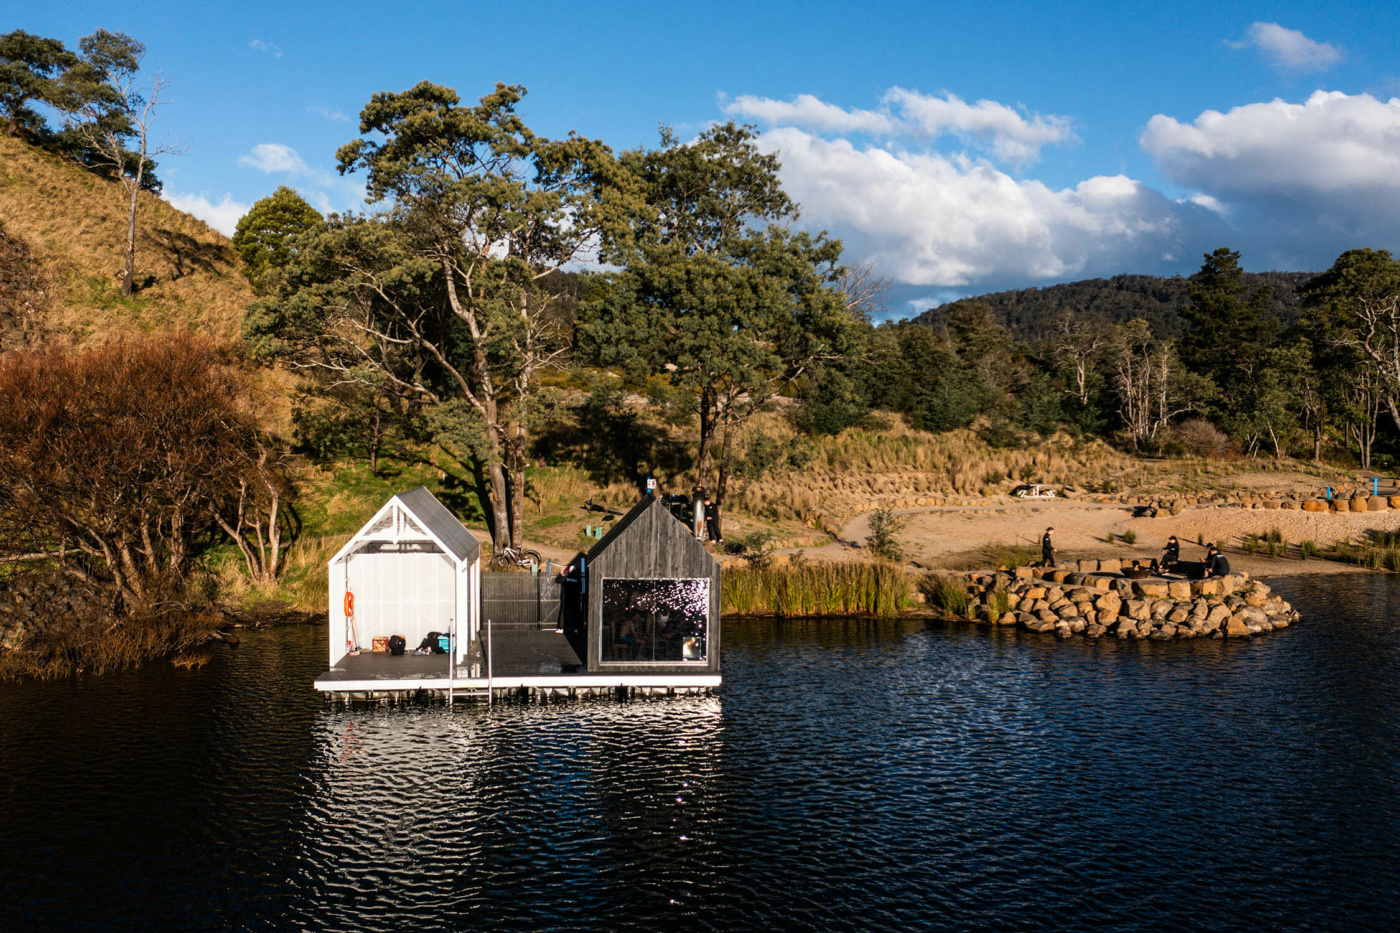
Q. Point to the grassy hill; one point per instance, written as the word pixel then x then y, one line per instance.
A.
pixel 62 235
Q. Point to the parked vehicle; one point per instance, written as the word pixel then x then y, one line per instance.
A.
pixel 1033 491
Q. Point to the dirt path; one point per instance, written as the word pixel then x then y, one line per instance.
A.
pixel 944 536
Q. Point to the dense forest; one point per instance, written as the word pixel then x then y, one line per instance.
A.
pixel 1029 314
pixel 509 302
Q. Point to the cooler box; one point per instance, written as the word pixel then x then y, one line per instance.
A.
pixel 445 642
pixel 381 643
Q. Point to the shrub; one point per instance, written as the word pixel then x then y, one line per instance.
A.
pixel 1307 549
pixel 1129 537
pixel 946 592
pixel 883 541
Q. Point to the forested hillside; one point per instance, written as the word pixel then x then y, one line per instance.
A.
pixel 1030 314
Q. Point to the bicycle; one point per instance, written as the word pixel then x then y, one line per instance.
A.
pixel 507 557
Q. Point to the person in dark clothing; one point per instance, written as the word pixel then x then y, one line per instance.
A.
pixel 1047 549
pixel 1171 554
pixel 1215 564
pixel 712 522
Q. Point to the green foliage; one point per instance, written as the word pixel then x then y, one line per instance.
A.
pixel 1308 549
pixel 1129 537
pixel 817 589
pixel 267 235
pixel 757 548
pixel 30 66
pixel 883 540
pixel 946 592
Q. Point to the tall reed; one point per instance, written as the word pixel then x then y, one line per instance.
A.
pixel 816 589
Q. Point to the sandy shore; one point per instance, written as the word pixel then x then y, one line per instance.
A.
pixel 939 536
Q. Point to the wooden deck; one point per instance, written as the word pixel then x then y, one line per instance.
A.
pixel 524 658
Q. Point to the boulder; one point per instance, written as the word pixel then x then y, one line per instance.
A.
pixel 1271 503
pixel 1338 505
pixel 1035 592
pixel 1290 505
pixel 1395 502
pixel 1025 573
pixel 1320 505
pixel 1151 589
pixel 1078 625
pixel 1218 614
pixel 1095 630
pixel 1358 504
pixel 1377 504
pixel 1007 618
pixel 1088 566
pixel 1126 629
pixel 1110 566
pixel 1207 587
pixel 1108 602
pixel 1179 589
pixel 1236 627
pixel 1178 615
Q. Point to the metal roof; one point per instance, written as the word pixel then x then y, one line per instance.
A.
pixel 441 523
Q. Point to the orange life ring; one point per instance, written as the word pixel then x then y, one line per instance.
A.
pixel 349 603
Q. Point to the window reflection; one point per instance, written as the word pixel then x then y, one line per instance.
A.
pixel 646 621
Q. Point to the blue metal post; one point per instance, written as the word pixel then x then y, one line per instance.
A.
pixel 1329 492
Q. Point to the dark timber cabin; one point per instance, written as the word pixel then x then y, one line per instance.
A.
pixel 652 598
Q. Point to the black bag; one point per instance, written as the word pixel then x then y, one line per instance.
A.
pixel 397 644
pixel 431 642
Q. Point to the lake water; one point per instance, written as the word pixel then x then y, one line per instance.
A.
pixel 851 776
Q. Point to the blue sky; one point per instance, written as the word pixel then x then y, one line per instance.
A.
pixel 962 148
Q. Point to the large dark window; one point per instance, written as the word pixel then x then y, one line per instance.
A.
pixel 649 621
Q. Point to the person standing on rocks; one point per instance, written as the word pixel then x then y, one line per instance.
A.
pixel 1047 549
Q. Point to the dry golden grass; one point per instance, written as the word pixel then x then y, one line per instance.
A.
pixel 74 223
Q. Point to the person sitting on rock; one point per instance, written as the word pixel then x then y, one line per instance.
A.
pixel 1171 554
pixel 1215 563
pixel 1047 549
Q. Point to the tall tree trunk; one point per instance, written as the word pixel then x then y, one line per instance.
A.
pixel 723 471
pixel 705 462
pixel 135 184
pixel 517 486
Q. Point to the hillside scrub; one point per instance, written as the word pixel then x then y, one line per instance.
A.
pixel 121 464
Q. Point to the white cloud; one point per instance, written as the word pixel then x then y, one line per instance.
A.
pixel 274 157
pixel 806 110
pixel 1289 48
pixel 335 115
pixel 1009 134
pixel 222 216
pixel 936 220
pixel 1332 145
pixel 267 47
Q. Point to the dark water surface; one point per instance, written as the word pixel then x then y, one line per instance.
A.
pixel 851 776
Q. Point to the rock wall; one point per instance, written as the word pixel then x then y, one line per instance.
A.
pixel 1101 602
pixel 30 605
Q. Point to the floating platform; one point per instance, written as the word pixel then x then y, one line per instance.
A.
pixel 526 661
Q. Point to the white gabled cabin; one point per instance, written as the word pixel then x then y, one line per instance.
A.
pixel 412 569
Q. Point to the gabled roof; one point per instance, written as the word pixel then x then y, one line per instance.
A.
pixel 441 523
pixel 621 524
pixel 423 515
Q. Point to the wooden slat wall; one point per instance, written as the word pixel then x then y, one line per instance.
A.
pixel 520 597
pixel 653 546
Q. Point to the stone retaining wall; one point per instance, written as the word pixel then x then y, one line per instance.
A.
pixel 1098 601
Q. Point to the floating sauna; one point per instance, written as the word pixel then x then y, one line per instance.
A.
pixel 638 613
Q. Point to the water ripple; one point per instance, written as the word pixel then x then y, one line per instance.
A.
pixel 852 776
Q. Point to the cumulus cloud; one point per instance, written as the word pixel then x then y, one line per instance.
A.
pixel 274 157
pixel 267 47
pixel 1008 134
pixel 1289 48
pixel 1333 144
pixel 223 215
pixel 937 220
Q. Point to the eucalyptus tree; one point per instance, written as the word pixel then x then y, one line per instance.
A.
pixel 451 294
pixel 1354 308
pixel 110 111
pixel 714 288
